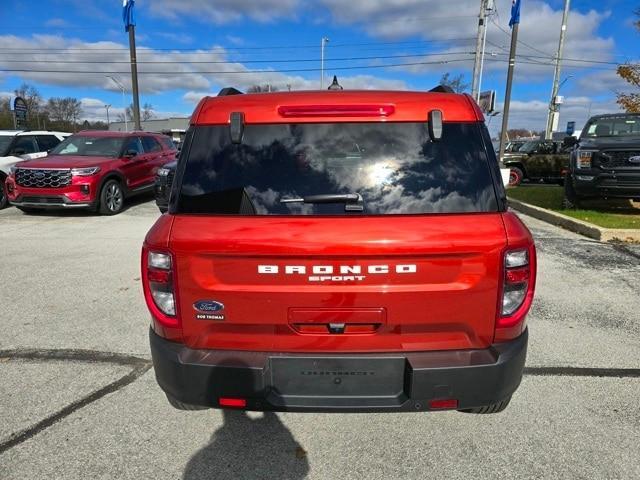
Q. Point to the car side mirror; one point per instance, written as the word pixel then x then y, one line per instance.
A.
pixel 570 142
pixel 130 154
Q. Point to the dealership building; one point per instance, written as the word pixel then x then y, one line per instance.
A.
pixel 175 127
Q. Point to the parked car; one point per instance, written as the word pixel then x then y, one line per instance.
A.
pixel 19 145
pixel 338 251
pixel 96 170
pixel 538 160
pixel 606 160
pixel 162 185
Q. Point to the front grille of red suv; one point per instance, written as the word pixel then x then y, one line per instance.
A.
pixel 43 177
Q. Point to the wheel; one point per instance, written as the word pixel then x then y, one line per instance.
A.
pixel 492 408
pixel 571 199
pixel 3 192
pixel 111 198
pixel 515 177
pixel 184 406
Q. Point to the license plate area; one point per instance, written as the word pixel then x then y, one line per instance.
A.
pixel 338 377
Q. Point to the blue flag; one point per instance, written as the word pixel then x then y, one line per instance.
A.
pixel 515 13
pixel 127 14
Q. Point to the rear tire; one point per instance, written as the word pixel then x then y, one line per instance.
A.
pixel 571 200
pixel 516 176
pixel 111 198
pixel 177 404
pixel 492 408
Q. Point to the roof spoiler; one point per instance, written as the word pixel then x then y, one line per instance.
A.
pixel 229 91
pixel 442 89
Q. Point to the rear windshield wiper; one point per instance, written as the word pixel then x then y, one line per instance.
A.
pixel 352 201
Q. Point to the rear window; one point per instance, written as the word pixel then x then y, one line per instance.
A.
pixel 337 169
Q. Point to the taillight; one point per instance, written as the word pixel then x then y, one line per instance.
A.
pixel 517 291
pixel 158 283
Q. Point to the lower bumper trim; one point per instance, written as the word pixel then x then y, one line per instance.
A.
pixel 270 381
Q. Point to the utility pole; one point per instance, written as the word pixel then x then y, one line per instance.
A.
pixel 107 107
pixel 324 41
pixel 134 77
pixel 507 95
pixel 482 32
pixel 552 117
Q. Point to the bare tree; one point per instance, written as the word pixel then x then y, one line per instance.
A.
pixel 147 112
pixel 457 83
pixel 64 111
pixel 262 88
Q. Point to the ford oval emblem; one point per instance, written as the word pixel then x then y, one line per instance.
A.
pixel 208 306
pixel 635 159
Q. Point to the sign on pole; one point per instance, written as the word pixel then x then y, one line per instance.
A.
pixel 487 101
pixel 20 112
pixel 571 128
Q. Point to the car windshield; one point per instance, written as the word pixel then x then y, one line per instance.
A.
pixel 90 146
pixel 337 169
pixel 5 141
pixel 529 147
pixel 618 126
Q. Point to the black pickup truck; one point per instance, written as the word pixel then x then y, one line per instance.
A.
pixel 605 162
pixel 162 185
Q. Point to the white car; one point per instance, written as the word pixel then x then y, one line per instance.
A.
pixel 19 145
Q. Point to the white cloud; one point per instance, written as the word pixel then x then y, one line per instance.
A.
pixel 224 11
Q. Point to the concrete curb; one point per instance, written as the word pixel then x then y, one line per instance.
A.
pixel 590 230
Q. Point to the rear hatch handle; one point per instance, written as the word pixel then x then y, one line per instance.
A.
pixel 352 201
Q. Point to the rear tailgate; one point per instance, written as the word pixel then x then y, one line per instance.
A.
pixel 338 284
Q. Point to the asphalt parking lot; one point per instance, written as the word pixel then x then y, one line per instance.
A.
pixel 78 398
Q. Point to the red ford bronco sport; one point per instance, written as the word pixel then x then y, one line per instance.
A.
pixel 338 251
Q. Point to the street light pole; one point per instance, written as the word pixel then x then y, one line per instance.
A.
pixel 553 107
pixel 107 107
pixel 482 31
pixel 124 104
pixel 324 41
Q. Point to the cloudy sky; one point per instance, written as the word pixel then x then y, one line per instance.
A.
pixel 189 48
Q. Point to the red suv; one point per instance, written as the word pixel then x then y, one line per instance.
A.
pixel 339 251
pixel 97 170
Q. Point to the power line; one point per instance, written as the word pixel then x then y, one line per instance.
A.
pixel 377 57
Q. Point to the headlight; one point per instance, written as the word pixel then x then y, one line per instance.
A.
pixel 12 169
pixel 583 158
pixel 84 172
pixel 163 172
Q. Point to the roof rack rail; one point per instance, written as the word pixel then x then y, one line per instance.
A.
pixel 442 89
pixel 229 91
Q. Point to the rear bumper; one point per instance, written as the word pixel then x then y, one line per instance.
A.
pixel 339 383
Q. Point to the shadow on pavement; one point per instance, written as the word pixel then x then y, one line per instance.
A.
pixel 261 448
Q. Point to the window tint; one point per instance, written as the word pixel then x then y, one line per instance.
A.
pixel 168 143
pixel 89 146
pixel 394 167
pixel 151 144
pixel 47 142
pixel 24 144
pixel 624 125
pixel 134 144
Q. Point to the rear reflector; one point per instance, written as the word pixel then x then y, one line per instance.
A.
pixel 336 110
pixel 443 404
pixel 232 402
